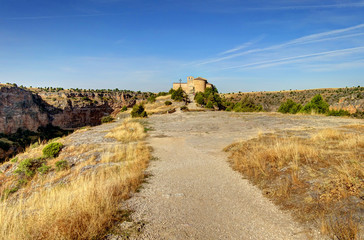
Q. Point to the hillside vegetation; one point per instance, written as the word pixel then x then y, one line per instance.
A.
pixel 72 188
pixel 350 99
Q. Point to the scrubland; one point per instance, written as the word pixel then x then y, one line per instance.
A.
pixel 80 194
pixel 159 106
pixel 318 175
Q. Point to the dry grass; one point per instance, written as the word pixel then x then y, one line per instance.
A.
pixel 320 178
pixel 84 207
pixel 128 131
pixel 159 107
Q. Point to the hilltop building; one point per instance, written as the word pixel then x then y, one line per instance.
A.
pixel 193 85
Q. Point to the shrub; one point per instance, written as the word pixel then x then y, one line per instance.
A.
pixel 52 149
pixel 151 99
pixel 340 112
pixel 43 169
pixel 210 98
pixel 184 108
pixel 138 111
pixel 209 104
pixel 124 108
pixel 107 119
pixel 199 98
pixel 178 95
pixel 167 103
pixel 162 94
pixel 317 105
pixel 27 167
pixel 247 105
pixel 290 107
pixel 61 165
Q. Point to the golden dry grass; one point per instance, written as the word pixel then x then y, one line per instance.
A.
pixel 320 178
pixel 159 106
pixel 84 207
pixel 128 131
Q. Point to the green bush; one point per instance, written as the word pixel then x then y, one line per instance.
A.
pixel 340 112
pixel 210 104
pixel 27 167
pixel 52 149
pixel 61 165
pixel 152 98
pixel 43 169
pixel 290 107
pixel 199 98
pixel 162 94
pixel 124 108
pixel 138 111
pixel 210 98
pixel 316 105
pixel 107 119
pixel 167 103
pixel 178 95
pixel 247 105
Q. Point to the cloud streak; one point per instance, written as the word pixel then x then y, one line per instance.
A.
pixel 245 45
pixel 288 60
pixel 317 37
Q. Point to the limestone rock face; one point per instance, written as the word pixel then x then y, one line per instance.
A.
pixel 349 104
pixel 21 109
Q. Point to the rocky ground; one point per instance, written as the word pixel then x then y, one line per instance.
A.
pixel 194 194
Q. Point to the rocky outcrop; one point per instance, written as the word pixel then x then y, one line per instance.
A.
pixel 25 109
pixel 21 109
pixel 349 104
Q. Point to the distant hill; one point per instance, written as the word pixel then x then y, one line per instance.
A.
pixel 349 99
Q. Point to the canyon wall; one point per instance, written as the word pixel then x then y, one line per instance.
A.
pixel 26 109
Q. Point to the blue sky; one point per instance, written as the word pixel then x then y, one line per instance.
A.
pixel 252 45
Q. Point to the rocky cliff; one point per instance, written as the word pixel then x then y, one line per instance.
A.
pixel 21 109
pixel 32 108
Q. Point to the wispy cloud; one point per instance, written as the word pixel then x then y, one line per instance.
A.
pixel 242 46
pixel 317 37
pixel 288 60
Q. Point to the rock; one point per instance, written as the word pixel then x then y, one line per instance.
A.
pixel 21 108
pixel 5 167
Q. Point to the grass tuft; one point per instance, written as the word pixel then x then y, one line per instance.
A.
pixel 128 131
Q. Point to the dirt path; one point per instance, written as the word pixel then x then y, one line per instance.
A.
pixel 194 194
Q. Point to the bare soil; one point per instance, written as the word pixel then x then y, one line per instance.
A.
pixel 194 194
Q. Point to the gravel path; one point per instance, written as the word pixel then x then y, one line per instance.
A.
pixel 194 194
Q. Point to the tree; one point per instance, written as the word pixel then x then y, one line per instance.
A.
pixel 290 107
pixel 138 111
pixel 178 95
pixel 317 105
